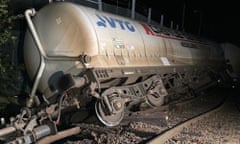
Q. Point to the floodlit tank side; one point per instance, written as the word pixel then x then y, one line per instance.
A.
pixel 155 47
pixel 70 30
pixel 124 42
pixel 64 30
pixel 120 42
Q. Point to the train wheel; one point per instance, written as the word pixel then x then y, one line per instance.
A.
pixel 156 93
pixel 108 119
pixel 154 101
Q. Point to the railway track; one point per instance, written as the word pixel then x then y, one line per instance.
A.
pixel 220 126
pixel 144 126
pixel 177 129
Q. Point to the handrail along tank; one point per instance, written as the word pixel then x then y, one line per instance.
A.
pixel 79 57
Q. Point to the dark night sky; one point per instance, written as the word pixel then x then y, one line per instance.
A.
pixel 219 19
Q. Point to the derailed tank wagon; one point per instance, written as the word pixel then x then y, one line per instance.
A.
pixel 77 55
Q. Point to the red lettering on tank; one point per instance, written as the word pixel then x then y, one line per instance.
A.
pixel 153 31
pixel 147 29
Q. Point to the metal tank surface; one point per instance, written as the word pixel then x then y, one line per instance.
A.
pixel 70 30
pixel 82 58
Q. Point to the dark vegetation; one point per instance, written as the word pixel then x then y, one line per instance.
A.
pixel 11 70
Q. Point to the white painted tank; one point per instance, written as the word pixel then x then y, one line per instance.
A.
pixel 67 29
